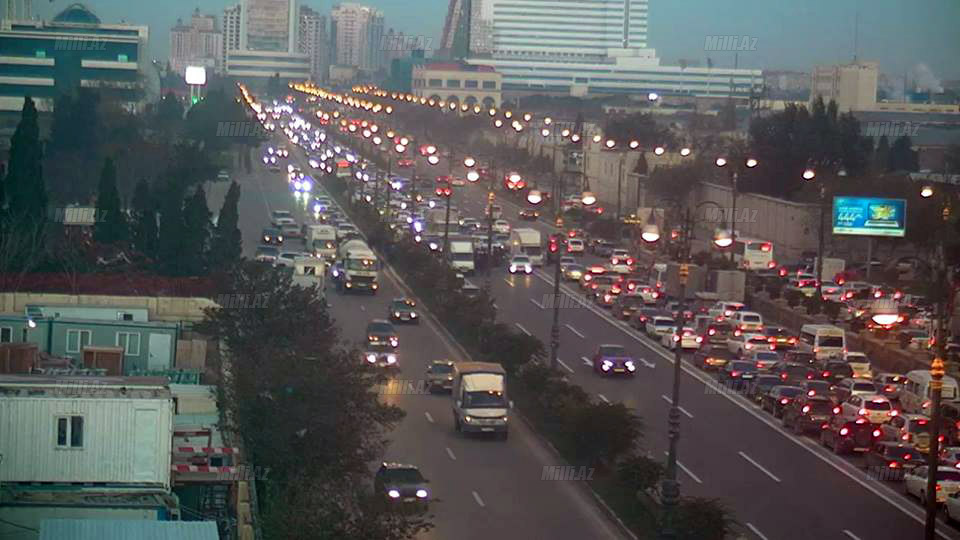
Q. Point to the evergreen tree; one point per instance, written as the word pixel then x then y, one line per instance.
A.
pixel 226 247
pixel 144 219
pixel 111 226
pixel 170 239
pixel 902 157
pixel 196 224
pixel 24 188
pixel 881 156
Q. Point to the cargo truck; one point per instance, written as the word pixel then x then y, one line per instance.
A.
pixel 358 267
pixel 480 403
pixel 321 240
pixel 461 254
pixel 527 242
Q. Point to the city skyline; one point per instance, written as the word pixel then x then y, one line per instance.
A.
pixel 777 34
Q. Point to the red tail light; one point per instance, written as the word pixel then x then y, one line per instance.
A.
pixel 894 464
pixel 876 433
pixel 844 431
pixel 759 365
pixel 938 487
pixel 734 373
pixel 862 412
pixel 826 373
pixel 772 264
pixel 907 456
pixel 783 376
pixel 784 401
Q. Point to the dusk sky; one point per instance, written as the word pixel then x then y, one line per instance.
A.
pixel 790 34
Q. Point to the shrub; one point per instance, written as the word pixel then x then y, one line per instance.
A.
pixel 639 473
pixel 832 309
pixel 813 305
pixel 600 433
pixel 702 519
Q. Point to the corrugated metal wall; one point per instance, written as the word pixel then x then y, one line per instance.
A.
pixel 112 444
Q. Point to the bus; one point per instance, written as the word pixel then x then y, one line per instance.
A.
pixel 343 169
pixel 753 253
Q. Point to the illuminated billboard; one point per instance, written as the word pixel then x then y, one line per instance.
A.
pixel 868 216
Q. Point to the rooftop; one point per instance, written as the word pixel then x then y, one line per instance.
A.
pixel 74 386
pixel 455 66
pixel 76 13
pixel 105 529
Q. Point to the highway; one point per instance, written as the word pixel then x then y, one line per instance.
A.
pixel 483 488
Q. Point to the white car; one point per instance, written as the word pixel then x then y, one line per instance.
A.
pixel 286 258
pixel 915 483
pixel 859 364
pixel 575 246
pixel 831 292
pixel 747 322
pixel 279 222
pixel 746 343
pixel 687 339
pixel 951 508
pixel 659 326
pixel 501 226
pixel 725 310
pixel 280 214
pixel 621 256
pixel 875 408
pixel 521 265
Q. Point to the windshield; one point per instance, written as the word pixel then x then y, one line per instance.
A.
pixel 663 322
pixel 441 368
pixel 486 398
pixel 790 391
pixel 380 328
pixel 831 342
pixel 821 387
pixel 877 406
pixel 751 318
pixel 918 426
pixel 531 250
pixel 767 356
pixel 612 350
pixel 403 476
pixel 463 256
pixel 864 387
pixel 744 366
pixel 949 476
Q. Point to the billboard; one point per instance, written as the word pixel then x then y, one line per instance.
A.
pixel 868 216
pixel 196 75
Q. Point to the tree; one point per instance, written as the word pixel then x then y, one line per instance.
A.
pixel 74 147
pixel 902 156
pixel 144 219
pixel 881 155
pixel 639 127
pixel 111 225
pixel 951 160
pixel 226 248
pixel 170 238
pixel 196 225
pixel 24 187
pixel 168 115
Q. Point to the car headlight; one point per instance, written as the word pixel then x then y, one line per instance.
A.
pixel 279 239
pixel 413 314
pixel 630 365
pixel 467 419
pixel 391 359
pixel 372 358
pixel 396 313
pixel 393 494
pixel 394 342
pixel 421 494
pixel 513 268
pixel 528 268
pixel 450 378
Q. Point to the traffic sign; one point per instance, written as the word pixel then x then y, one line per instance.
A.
pixel 684 272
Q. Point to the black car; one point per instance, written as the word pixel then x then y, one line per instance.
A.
pixel 845 436
pixel 817 388
pixel 719 332
pixel 272 236
pixel 887 460
pixel 625 305
pixel 739 372
pixel 403 310
pixel 807 414
pixel 712 357
pixel 797 357
pixel 401 484
pixel 778 398
pixel 381 332
pixel 791 373
pixel 835 371
pixel 781 338
pixel 760 385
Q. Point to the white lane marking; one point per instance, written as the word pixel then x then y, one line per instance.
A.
pixel 686 470
pixel 757 465
pixel 681 409
pixel 650 365
pixel 510 283
pixel 566 367
pixel 586 361
pixel 450 453
pixel 476 497
pixel 522 329
pixel 429 418
pixel 495 306
pixel 362 308
pixel 574 330
pixel 895 499
pixel 851 535
pixel 756 531
pixel 538 304
pixel 603 398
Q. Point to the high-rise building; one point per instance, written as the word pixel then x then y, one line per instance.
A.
pixel 16 10
pixel 394 45
pixel 199 43
pixel 357 36
pixel 852 86
pixel 313 40
pixel 269 25
pixel 231 31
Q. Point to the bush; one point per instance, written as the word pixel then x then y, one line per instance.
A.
pixel 832 309
pixel 639 473
pixel 600 433
pixel 813 305
pixel 702 519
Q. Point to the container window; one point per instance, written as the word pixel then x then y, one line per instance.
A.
pixel 70 432
pixel 6 334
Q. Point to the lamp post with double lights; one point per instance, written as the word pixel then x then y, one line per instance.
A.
pixel 735 170
pixel 651 234
pixel 809 175
pixel 445 192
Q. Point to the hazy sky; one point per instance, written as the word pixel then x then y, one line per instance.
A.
pixel 790 34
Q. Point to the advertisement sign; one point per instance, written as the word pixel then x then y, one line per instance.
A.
pixel 868 216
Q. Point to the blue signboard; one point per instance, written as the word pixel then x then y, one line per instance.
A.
pixel 868 216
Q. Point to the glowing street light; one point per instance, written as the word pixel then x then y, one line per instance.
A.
pixel 926 192
pixel 588 198
pixel 534 197
pixel 433 159
pixel 809 174
pixel 469 162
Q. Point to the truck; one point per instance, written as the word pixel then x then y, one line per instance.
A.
pixel 321 240
pixel 480 403
pixel 527 242
pixel 358 267
pixel 461 255
pixel 435 220
pixel 831 267
pixel 695 281
pixel 309 272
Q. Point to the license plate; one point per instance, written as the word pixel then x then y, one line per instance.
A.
pixel 619 370
pixel 486 429
pixel 409 499
pixel 748 376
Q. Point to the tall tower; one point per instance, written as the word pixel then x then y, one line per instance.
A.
pixel 231 31
pixel 269 25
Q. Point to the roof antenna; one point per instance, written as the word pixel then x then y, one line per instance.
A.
pixel 856 30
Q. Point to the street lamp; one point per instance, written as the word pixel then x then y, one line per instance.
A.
pixel 744 163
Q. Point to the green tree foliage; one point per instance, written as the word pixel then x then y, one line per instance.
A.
pixel 881 156
pixel 190 165
pixel 75 138
pixel 24 187
pixel 639 473
pixel 111 226
pixel 168 115
pixel 211 122
pixel 171 245
pixel 196 225
pixel 640 127
pixel 702 519
pixel 902 157
pixel 144 233
pixel 226 247
pixel 674 182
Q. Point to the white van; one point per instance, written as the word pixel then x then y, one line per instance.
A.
pixel 915 394
pixel 825 341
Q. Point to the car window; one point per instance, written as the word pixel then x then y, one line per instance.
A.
pixel 882 405
pixel 380 328
pixel 950 476
pixel 864 387
pixel 403 476
pixel 612 350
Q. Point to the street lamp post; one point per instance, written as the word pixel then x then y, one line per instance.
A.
pixel 742 163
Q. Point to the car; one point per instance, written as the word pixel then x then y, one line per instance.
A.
pixel 280 214
pixel 712 357
pixel 621 256
pixel 440 376
pixel 792 373
pixel 915 482
pixel 799 357
pixel 381 355
pixel 625 305
pixel 612 360
pixel 913 338
pixel 747 322
pixel 601 284
pixel 718 332
pixel 859 364
pixel 778 398
pixel 760 385
pixel 642 315
pixel 575 246
pixel 807 414
pixel 267 254
pixel 397 483
pixel 403 310
pixel 457 181
pixel 470 224
pixel 831 291
pixel 835 371
pixel 286 258
pixel 602 248
pixel 279 222
pixel 909 428
pixel 738 372
pixel 875 408
pixel 291 230
pixel 845 436
pixel 687 339
pixel 781 338
pixel 724 310
pixel 817 388
pixel 571 272
pixel 590 274
pixel 890 384
pixel 659 326
pixel 764 359
pixel 849 386
pixel 889 460
pixel 404 163
pixel 381 332
pixel 520 264
pixel 950 455
pixel 271 236
pixel 745 343
pixel 529 215
pixel 501 226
